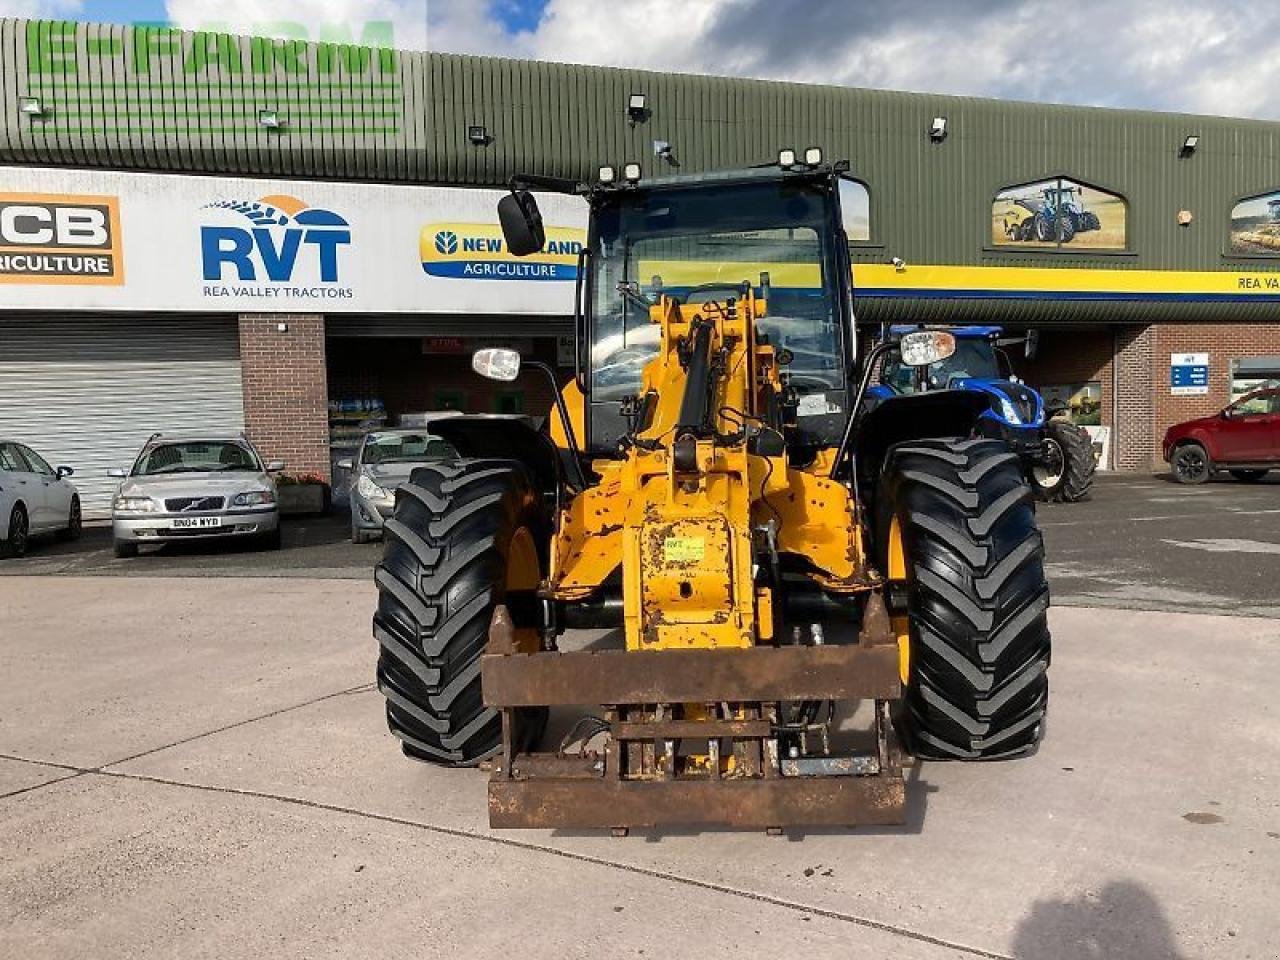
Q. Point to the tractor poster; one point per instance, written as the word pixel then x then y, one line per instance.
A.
pixel 1082 400
pixel 1058 213
pixel 1255 225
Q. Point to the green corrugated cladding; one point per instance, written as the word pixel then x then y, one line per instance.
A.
pixel 356 114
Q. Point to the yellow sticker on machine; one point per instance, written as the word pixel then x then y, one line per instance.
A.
pixel 684 549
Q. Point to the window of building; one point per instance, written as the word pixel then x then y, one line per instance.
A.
pixel 1059 214
pixel 1253 373
pixel 855 208
pixel 1255 226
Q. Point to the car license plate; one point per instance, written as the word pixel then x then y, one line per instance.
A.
pixel 196 523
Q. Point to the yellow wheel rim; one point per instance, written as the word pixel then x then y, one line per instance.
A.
pixel 897 573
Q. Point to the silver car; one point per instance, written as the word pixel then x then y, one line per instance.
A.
pixel 385 460
pixel 196 487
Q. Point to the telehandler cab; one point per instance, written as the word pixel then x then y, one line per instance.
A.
pixel 770 550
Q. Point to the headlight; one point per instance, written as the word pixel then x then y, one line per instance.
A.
pixel 253 498
pixel 370 490
pixel 1009 411
pixel 135 505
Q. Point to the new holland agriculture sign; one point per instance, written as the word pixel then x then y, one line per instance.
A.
pixel 477 251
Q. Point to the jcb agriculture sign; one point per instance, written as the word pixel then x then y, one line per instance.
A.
pixel 55 238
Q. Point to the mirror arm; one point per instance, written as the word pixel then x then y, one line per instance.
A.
pixel 855 412
pixel 580 477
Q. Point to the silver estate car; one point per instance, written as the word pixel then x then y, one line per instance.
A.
pixel 383 462
pixel 187 487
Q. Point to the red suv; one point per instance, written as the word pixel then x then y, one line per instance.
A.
pixel 1243 439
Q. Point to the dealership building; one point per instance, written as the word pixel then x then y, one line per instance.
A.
pixel 200 232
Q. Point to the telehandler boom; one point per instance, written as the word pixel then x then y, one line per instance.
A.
pixel 769 551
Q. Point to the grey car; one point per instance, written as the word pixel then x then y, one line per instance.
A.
pixel 385 460
pixel 196 487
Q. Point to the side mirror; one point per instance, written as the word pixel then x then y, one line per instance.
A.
pixel 64 472
pixel 117 472
pixel 496 363
pixel 1033 343
pixel 923 347
pixel 521 223
pixel 346 463
pixel 275 466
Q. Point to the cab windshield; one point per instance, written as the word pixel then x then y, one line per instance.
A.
pixel 973 359
pixel 674 241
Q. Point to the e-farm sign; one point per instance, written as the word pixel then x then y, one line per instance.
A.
pixel 157 79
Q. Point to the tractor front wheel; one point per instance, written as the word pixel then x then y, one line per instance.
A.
pixel 464 535
pixel 1065 475
pixel 958 532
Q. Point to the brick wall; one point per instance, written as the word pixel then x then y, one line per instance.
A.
pixel 1134 408
pixel 286 397
pixel 1224 343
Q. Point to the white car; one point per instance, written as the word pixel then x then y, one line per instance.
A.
pixel 34 499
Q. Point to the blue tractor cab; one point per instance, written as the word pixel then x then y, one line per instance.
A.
pixel 1057 454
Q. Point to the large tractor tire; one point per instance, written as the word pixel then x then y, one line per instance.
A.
pixel 957 526
pixel 464 534
pixel 1066 475
pixel 1044 230
pixel 1064 229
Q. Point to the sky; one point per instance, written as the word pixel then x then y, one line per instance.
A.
pixel 1196 56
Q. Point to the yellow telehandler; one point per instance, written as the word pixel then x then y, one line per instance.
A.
pixel 769 551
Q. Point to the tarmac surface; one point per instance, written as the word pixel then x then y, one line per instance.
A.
pixel 1140 542
pixel 201 769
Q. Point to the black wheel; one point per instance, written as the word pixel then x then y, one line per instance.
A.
pixel 1064 228
pixel 1044 229
pixel 465 533
pixel 1066 473
pixel 19 534
pixel 1190 464
pixel 1089 221
pixel 75 522
pixel 1249 476
pixel 1027 230
pixel 126 549
pixel 958 532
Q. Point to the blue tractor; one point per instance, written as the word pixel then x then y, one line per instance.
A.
pixel 1057 455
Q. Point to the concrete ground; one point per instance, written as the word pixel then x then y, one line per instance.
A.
pixel 1141 542
pixel 201 769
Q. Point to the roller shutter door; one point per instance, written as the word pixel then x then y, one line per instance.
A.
pixel 87 392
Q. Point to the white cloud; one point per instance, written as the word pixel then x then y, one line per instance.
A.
pixel 1161 54
pixel 41 9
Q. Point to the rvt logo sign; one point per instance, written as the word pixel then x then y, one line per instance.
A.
pixel 279 244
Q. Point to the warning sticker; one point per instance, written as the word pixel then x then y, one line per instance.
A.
pixel 684 549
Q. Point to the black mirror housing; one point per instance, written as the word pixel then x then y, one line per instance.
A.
pixel 521 223
pixel 64 472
